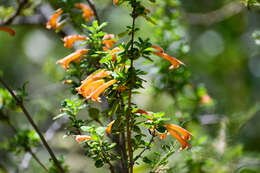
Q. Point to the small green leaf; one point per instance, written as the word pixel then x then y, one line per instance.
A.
pixel 59 116
pixel 99 163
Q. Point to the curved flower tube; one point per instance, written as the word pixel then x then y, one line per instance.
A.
pixel 93 77
pixel 108 41
pixel 53 22
pixel 88 14
pixel 109 127
pixel 80 138
pixel 185 133
pixel 113 53
pixel 69 40
pixel 95 94
pixel 7 29
pixel 91 87
pixel 181 134
pixel 175 62
pixel 184 143
pixel 72 57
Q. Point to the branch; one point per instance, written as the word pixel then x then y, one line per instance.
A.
pixel 92 6
pixel 27 149
pixel 219 15
pixel 146 148
pixel 29 118
pixel 17 12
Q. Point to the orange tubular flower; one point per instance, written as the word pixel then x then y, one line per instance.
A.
pixel 91 87
pixel 53 22
pixel 88 14
pixel 7 29
pixel 113 53
pixel 91 78
pixel 115 1
pixel 80 138
pixel 95 94
pixel 69 40
pixel 185 133
pixel 108 41
pixel 184 143
pixel 108 130
pixel 72 57
pixel 175 62
pixel 178 132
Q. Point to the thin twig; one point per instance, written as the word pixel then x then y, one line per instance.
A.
pixel 17 12
pixel 29 118
pixel 146 148
pixel 28 149
pixel 92 6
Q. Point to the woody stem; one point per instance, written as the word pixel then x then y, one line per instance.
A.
pixel 128 115
pixel 29 118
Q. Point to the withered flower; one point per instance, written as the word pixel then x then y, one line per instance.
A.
pixel 53 22
pixel 72 57
pixel 70 39
pixel 175 62
pixel 88 14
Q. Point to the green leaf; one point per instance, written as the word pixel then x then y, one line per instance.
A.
pixel 59 116
pixel 86 128
pixel 99 163
pixel 101 131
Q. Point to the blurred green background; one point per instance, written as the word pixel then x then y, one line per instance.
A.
pixel 214 40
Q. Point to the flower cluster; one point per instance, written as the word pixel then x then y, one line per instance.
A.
pixel 94 85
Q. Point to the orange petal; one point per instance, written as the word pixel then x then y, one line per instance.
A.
pixel 91 87
pixel 108 41
pixel 93 77
pixel 69 40
pixel 72 57
pixel 88 14
pixel 108 130
pixel 113 53
pixel 175 62
pixel 80 138
pixel 184 143
pixel 185 133
pixel 95 94
pixel 7 29
pixel 53 22
pixel 115 1
pixel 158 48
pixel 141 111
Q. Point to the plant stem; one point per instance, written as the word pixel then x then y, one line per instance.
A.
pixel 146 148
pixel 165 157
pixel 128 115
pixel 92 6
pixel 29 118
pixel 28 149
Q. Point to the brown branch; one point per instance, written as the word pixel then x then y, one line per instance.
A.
pixel 128 115
pixel 92 6
pixel 29 118
pixel 27 149
pixel 17 12
pixel 219 15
